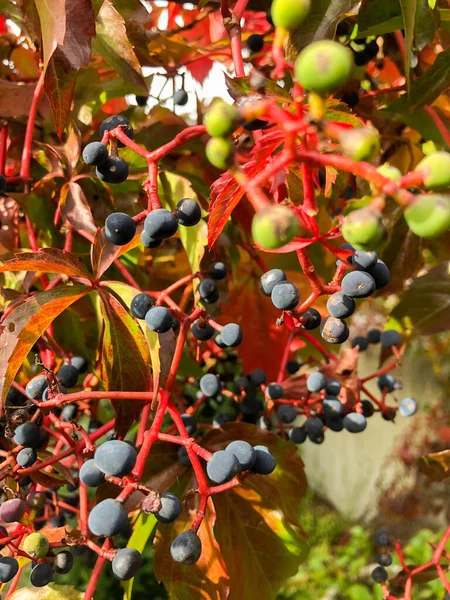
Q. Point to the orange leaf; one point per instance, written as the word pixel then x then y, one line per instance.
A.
pixel 103 253
pixel 46 260
pixel 26 323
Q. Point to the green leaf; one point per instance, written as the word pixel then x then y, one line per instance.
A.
pixel 25 324
pixel 409 10
pixel 378 18
pixel 125 359
pixel 172 189
pixel 112 43
pixel 52 591
pixel 425 25
pixel 142 530
pixel 425 306
pixel 67 29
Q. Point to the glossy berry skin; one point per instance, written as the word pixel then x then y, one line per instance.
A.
pixel 95 154
pixel 188 212
pixel 180 98
pixel 126 563
pixel 384 559
pixel 386 381
pixel 251 406
pixel 313 426
pixel 334 331
pixel 183 456
pixel 221 119
pixel 141 304
pixel 160 224
pixel 231 335
pixel 107 518
pixel 379 575
pixel 63 562
pixel 208 291
pixel 36 387
pixel 186 548
pixel 287 413
pixel 26 457
pixel 407 407
pixel 316 382
pixel 27 434
pixel 363 228
pixel 355 422
pixel 358 284
pixel 285 296
pixel 244 452
pixel 190 423
pixel 68 375
pixel 340 305
pixel 12 510
pixel 8 568
pixel 148 241
pixel 36 545
pixel 218 271
pixel 390 338
pixel 91 475
pixel 69 412
pixel 222 466
pixel 429 216
pixel 364 261
pixel 36 500
pixel 218 341
pixel 219 152
pixel 41 575
pixel 159 319
pixel 333 408
pixel 361 342
pixel 265 463
pixel 297 435
pixel 255 42
pixel 310 319
pixel 323 66
pixel 170 508
pixel 360 144
pixel 210 385
pixel 274 227
pixel 332 387
pixel 202 331
pixel 113 170
pixel 274 391
pixel 258 377
pixel 115 458
pixel 436 170
pixel 270 279
pixel 114 121
pixel 80 363
pixel 289 14
pixel 381 274
pixel 120 229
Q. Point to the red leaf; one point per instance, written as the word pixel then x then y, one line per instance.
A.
pixel 200 68
pixel 25 325
pixel 125 360
pixel 46 260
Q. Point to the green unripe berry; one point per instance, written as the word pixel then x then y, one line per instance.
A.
pixel 436 168
pixel 324 66
pixel 429 216
pixel 36 545
pixel 219 152
pixel 274 227
pixel 289 14
pixel 221 119
pixel 360 144
pixel 364 229
pixel 389 172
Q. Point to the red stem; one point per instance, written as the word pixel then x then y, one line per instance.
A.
pixel 26 153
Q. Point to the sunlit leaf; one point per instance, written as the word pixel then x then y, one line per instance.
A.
pixel 52 591
pixel 75 207
pixel 46 260
pixel 25 325
pixel 142 530
pixel 436 465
